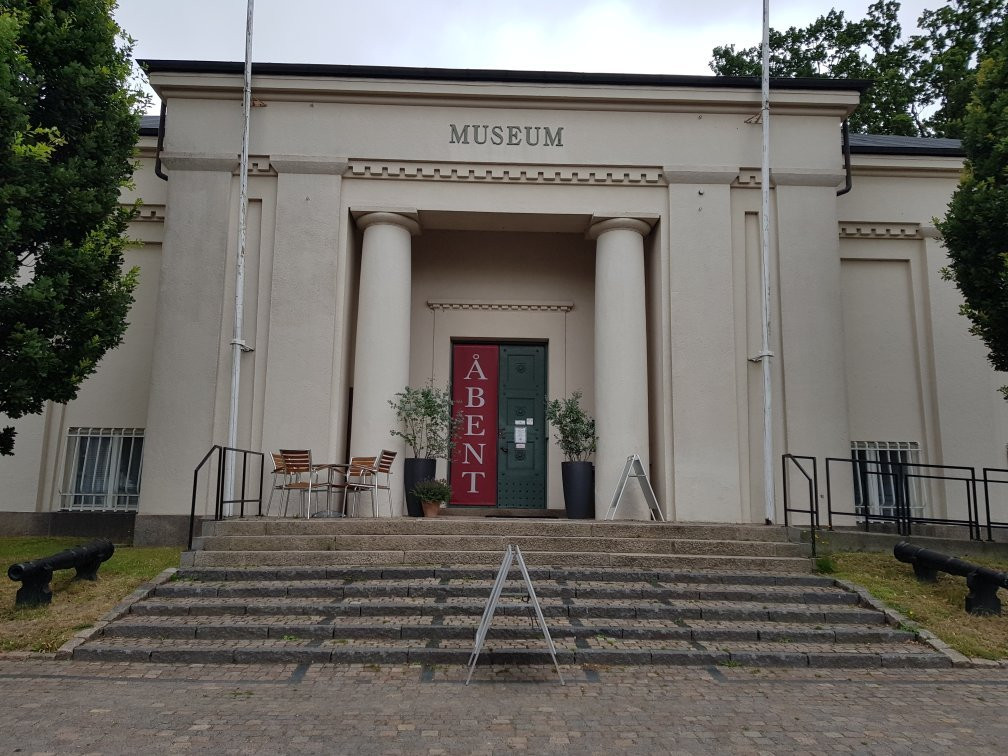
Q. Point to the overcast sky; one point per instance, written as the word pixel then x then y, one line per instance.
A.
pixel 623 36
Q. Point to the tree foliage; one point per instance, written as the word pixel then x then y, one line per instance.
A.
pixel 921 84
pixel 68 128
pixel 975 230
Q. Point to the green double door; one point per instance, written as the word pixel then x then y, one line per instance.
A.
pixel 521 420
pixel 500 461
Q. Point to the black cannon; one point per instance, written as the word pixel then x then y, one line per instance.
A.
pixel 36 574
pixel 982 582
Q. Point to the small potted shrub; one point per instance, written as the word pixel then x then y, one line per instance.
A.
pixel 575 433
pixel 428 427
pixel 433 494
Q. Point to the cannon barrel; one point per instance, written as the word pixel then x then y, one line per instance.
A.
pixel 983 582
pixel 907 552
pixel 96 551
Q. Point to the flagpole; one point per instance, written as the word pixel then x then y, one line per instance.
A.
pixel 237 340
pixel 765 354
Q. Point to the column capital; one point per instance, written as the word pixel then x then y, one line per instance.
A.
pixel 385 217
pixel 600 225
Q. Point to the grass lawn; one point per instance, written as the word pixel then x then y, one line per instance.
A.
pixel 939 607
pixel 76 604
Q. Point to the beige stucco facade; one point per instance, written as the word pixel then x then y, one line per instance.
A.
pixel 614 221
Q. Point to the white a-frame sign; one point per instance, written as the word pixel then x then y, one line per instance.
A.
pixel 511 554
pixel 634 469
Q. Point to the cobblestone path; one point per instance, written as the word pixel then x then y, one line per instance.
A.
pixel 65 707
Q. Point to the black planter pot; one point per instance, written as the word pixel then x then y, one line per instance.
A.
pixel 415 470
pixel 579 489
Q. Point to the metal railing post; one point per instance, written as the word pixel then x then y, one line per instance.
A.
pixel 990 533
pixel 784 480
pixel 829 496
pixel 219 503
pixel 262 474
pixel 971 488
pixel 241 510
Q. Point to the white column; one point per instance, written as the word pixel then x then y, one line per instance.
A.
pixel 621 389
pixel 382 353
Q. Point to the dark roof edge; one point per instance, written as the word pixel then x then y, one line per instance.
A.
pixel 496 75
pixel 149 125
pixel 923 150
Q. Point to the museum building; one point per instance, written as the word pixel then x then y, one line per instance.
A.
pixel 556 232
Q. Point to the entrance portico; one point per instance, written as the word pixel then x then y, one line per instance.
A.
pixel 590 312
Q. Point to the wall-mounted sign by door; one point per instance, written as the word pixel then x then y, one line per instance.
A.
pixel 474 389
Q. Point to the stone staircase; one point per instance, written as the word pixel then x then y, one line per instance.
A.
pixel 481 541
pixel 413 591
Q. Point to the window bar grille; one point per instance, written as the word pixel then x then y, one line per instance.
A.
pixel 885 484
pixel 103 469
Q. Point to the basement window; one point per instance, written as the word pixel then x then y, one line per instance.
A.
pixel 103 467
pixel 885 472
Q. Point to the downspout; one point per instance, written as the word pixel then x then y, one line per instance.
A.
pixel 160 144
pixel 765 354
pixel 238 345
pixel 848 180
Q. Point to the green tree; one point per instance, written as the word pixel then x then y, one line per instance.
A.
pixel 975 230
pixel 833 46
pixel 956 38
pixel 68 128
pixel 921 84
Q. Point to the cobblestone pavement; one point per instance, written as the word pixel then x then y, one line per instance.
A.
pixel 79 707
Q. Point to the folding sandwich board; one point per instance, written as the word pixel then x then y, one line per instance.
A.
pixel 634 469
pixel 510 555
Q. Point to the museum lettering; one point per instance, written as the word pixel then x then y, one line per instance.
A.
pixel 509 136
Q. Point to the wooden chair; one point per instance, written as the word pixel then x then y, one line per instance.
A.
pixel 358 475
pixel 301 476
pixel 384 467
pixel 279 478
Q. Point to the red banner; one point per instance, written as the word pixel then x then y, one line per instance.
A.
pixel 474 389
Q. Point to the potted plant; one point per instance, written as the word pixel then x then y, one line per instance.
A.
pixel 575 433
pixel 428 427
pixel 433 494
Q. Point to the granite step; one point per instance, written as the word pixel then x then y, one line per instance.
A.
pixel 551 607
pixel 252 627
pixel 435 588
pixel 498 543
pixel 488 574
pixel 329 558
pixel 460 526
pixel 532 651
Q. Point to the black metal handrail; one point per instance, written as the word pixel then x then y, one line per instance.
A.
pixel 987 480
pixel 900 474
pixel 900 508
pixel 813 484
pixel 219 501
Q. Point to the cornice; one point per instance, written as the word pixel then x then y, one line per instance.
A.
pixel 749 178
pixel 258 165
pixel 882 230
pixel 698 174
pixel 149 213
pixel 807 177
pixel 502 173
pixel 499 305
pixel 196 161
pixel 333 166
